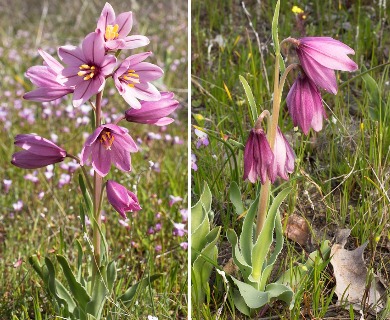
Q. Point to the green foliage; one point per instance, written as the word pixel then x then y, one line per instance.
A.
pixel 255 258
pixel 204 250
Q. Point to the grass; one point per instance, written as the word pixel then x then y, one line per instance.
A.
pixel 341 179
pixel 50 225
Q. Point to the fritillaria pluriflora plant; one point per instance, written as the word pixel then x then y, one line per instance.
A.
pixel 82 73
pixel 268 155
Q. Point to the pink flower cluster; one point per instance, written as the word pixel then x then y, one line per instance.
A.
pixel 83 72
pixel 319 58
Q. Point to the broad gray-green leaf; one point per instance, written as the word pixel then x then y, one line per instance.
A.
pixel 264 241
pixel 99 294
pixel 246 236
pixel 240 304
pixel 235 198
pixel 280 292
pixel 239 260
pixel 253 298
pixel 198 237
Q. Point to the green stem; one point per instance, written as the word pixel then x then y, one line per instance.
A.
pixel 97 196
pixel 271 135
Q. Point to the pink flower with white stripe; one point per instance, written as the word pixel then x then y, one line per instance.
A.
pixel 116 30
pixel 88 67
pixel 132 79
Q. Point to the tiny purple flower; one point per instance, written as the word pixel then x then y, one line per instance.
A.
pixel 18 206
pixel 38 152
pixel 305 105
pixel 320 56
pixel 194 166
pixel 203 138
pixel 258 157
pixel 154 112
pixel 179 229
pixel 184 245
pixel 174 199
pixel 109 144
pixel 132 79
pixel 88 66
pixel 158 248
pixel 116 29
pixel 7 185
pixel 121 199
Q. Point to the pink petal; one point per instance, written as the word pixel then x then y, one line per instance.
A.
pixel 101 159
pixel 148 72
pixel 50 61
pixel 107 17
pixel 137 58
pixel 93 48
pixel 120 157
pixel 87 89
pixel 146 91
pixel 71 55
pixel 125 23
pixel 128 95
pixel 135 41
pixel 46 94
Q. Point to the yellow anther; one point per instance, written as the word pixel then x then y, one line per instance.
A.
pixel 134 75
pixel 130 85
pixel 93 68
pixel 297 10
pixel 111 32
pixel 107 139
pixel 81 73
pixel 84 66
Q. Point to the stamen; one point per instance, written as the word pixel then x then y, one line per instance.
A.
pixel 107 139
pixel 86 71
pixel 85 66
pixel 131 78
pixel 111 32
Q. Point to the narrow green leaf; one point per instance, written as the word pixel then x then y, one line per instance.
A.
pixel 139 286
pixel 235 198
pixel 206 198
pixel 264 241
pixel 95 306
pixel 251 99
pixel 34 262
pixel 78 291
pixel 86 196
pixel 246 236
pixel 253 298
pixel 79 262
pixel 275 36
pixel 82 216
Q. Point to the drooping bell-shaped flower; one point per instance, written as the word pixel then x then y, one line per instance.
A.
pixel 305 105
pixel 38 152
pixel 283 161
pixel 116 30
pixel 154 112
pixel 258 157
pixel 108 144
pixel 121 199
pixel 87 68
pixel 45 77
pixel 320 56
pixel 132 79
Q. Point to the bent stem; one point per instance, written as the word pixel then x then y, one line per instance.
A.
pixel 271 135
pixel 97 196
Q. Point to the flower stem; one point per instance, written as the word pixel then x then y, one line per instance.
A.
pixel 97 195
pixel 271 135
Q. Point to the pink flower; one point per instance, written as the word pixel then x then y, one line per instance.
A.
pixel 320 56
pixel 132 80
pixel 88 66
pixel 109 144
pixel 258 157
pixel 174 199
pixel 179 229
pixel 305 105
pixel 154 112
pixel 121 199
pixel 203 138
pixel 46 79
pixel 115 30
pixel 283 158
pixel 38 152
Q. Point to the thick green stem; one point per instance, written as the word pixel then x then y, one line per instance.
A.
pixel 97 195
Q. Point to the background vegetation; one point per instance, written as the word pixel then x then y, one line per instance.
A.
pixel 40 214
pixel 342 173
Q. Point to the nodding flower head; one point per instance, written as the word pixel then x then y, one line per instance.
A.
pixel 320 56
pixel 121 199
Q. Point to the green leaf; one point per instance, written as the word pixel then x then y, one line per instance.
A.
pixel 253 298
pixel 240 304
pixel 198 237
pixel 275 36
pixel 111 275
pixel 79 262
pixel 280 292
pixel 139 286
pixel 34 262
pixel 376 110
pixel 239 260
pixel 86 196
pixel 251 99
pixel 78 291
pixel 55 287
pixel 246 237
pixel 235 198
pixel 202 267
pixel 99 294
pixel 264 241
pixel 206 198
